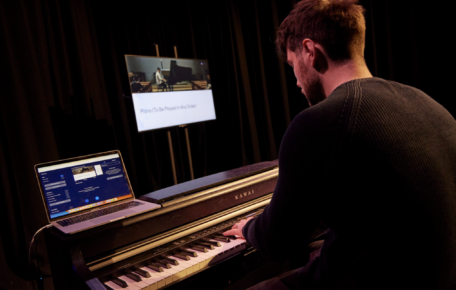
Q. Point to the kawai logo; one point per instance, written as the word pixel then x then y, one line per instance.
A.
pixel 244 194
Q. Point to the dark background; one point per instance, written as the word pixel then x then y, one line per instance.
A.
pixel 64 89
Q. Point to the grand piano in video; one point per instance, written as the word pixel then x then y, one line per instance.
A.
pixel 179 246
pixel 178 74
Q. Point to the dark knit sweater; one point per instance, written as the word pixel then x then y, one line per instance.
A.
pixel 376 162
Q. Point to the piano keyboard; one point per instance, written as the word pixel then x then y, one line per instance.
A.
pixel 150 277
pixel 182 257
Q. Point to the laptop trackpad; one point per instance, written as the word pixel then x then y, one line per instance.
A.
pixel 110 217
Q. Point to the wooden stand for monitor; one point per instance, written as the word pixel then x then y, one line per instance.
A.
pixel 170 141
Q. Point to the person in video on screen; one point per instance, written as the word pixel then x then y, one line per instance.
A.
pixel 372 159
pixel 160 80
pixel 135 85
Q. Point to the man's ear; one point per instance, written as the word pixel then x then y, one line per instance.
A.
pixel 308 49
pixel 316 57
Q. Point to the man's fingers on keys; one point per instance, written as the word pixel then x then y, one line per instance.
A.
pixel 233 232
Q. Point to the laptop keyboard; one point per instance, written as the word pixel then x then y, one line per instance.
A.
pixel 98 213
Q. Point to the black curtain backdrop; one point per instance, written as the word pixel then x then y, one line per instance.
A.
pixel 65 90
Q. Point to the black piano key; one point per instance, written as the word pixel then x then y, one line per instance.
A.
pixel 217 244
pixel 155 267
pixel 133 277
pixel 169 260
pixel 222 239
pixel 219 236
pixel 120 282
pixel 164 264
pixel 182 256
pixel 230 237
pixel 199 248
pixel 207 245
pixel 190 253
pixel 142 273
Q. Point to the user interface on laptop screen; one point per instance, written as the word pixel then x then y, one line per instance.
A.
pixel 82 184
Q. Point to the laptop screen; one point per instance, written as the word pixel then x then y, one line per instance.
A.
pixel 74 186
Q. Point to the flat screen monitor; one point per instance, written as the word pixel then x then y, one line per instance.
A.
pixel 169 92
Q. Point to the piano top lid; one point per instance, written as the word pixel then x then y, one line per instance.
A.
pixel 199 184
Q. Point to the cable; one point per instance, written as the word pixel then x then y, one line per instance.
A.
pixel 30 248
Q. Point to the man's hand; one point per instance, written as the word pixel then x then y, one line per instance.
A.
pixel 236 230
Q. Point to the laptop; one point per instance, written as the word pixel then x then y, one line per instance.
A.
pixel 85 192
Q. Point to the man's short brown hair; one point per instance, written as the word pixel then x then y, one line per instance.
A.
pixel 337 25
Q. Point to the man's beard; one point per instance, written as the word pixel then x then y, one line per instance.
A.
pixel 312 86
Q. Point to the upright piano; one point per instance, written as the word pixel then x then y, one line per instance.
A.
pixel 179 246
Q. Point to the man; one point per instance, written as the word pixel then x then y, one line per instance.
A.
pixel 374 160
pixel 160 80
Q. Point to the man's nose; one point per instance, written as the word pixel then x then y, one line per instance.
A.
pixel 298 84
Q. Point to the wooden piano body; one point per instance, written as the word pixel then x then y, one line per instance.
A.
pixel 191 213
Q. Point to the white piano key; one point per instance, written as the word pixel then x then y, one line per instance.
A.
pixel 203 259
pixel 113 285
pixel 204 264
pixel 181 272
pixel 148 284
pixel 132 284
pixel 192 265
pixel 153 280
pixel 175 273
pixel 187 263
pixel 195 262
pixel 165 277
pixel 207 258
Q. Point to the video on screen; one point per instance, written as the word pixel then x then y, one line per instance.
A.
pixel 85 172
pixel 155 74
